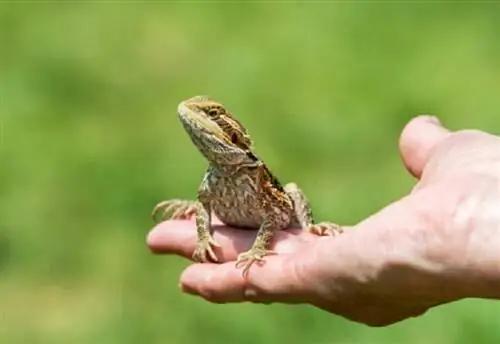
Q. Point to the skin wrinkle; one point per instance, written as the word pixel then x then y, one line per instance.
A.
pixel 343 284
pixel 305 269
pixel 415 239
pixel 464 220
pixel 343 263
pixel 453 239
pixel 483 214
pixel 448 237
pixel 426 227
pixel 400 259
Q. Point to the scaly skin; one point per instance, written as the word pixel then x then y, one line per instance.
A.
pixel 237 187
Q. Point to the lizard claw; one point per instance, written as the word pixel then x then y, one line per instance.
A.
pixel 213 242
pixel 254 255
pixel 179 209
pixel 204 247
pixel 325 229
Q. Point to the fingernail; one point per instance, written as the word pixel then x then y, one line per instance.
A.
pixel 433 119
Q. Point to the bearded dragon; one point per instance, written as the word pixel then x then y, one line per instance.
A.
pixel 237 187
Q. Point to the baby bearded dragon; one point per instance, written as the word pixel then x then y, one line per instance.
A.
pixel 237 187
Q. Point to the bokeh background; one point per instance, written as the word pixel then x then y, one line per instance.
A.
pixel 90 142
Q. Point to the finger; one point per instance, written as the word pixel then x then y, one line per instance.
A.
pixel 179 237
pixel 417 141
pixel 293 278
pixel 277 279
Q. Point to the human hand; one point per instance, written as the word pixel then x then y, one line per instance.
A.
pixel 436 245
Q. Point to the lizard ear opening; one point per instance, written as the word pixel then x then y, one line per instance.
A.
pixel 234 138
pixel 239 141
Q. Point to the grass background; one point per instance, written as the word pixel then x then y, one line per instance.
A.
pixel 90 142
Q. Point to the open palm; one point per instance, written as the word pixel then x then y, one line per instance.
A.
pixel 397 263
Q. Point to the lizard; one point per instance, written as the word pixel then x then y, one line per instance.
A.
pixel 237 187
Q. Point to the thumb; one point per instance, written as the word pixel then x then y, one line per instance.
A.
pixel 418 139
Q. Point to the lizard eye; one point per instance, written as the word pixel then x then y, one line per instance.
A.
pixel 234 138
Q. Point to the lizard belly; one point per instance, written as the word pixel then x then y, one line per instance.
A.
pixel 240 211
pixel 235 202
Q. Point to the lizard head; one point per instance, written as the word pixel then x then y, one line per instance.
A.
pixel 215 131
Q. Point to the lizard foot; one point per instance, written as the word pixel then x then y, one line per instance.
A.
pixel 325 229
pixel 178 209
pixel 254 255
pixel 204 247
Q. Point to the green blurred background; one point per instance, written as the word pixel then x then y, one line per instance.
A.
pixel 90 142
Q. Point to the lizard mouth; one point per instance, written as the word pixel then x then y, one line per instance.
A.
pixel 198 119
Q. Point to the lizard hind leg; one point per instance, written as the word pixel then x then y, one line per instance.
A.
pixel 175 209
pixel 325 228
pixel 304 215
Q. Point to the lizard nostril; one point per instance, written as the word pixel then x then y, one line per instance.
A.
pixel 234 138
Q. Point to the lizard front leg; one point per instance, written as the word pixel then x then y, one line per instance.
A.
pixel 259 249
pixel 205 240
pixel 304 215
pixel 180 209
pixel 184 210
pixel 276 210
